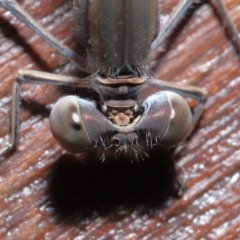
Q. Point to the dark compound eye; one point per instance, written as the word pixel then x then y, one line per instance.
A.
pixel 166 119
pixel 67 125
pixel 76 124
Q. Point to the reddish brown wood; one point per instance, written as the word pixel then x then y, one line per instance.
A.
pixel 209 161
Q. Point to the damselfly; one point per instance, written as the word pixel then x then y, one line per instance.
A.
pixel 118 36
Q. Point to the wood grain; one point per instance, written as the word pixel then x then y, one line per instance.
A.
pixel 46 193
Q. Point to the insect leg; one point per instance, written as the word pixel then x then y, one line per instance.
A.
pixel 175 18
pixel 33 77
pixel 232 31
pixel 22 15
pixel 179 13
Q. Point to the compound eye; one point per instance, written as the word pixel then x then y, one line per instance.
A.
pixel 180 120
pixel 166 120
pixel 67 125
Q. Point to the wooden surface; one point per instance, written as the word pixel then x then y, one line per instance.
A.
pixel 46 193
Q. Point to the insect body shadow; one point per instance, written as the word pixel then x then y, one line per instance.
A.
pixel 77 190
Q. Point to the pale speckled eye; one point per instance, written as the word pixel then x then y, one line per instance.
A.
pixel 67 125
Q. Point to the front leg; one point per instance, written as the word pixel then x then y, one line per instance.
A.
pixel 33 77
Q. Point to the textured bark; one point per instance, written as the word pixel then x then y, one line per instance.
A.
pixel 46 193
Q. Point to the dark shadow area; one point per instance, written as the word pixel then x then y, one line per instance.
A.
pixel 79 190
pixel 35 108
